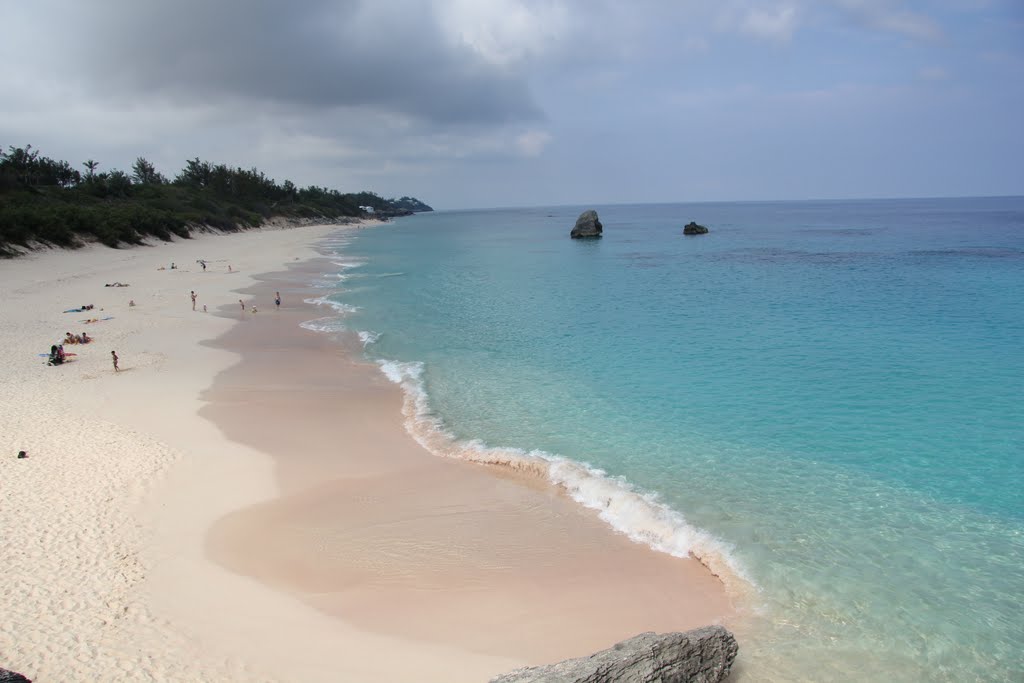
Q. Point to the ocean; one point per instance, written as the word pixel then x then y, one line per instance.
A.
pixel 821 400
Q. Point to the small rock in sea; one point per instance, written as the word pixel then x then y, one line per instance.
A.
pixel 587 225
pixel 692 228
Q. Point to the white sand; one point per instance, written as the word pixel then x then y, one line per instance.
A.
pixel 104 576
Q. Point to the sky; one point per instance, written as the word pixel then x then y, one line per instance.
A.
pixel 494 103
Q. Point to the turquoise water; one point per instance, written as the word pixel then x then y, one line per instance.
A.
pixel 821 400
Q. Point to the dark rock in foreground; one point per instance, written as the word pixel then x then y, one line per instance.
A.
pixel 11 677
pixel 587 225
pixel 692 228
pixel 704 655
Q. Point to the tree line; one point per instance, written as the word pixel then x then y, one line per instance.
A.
pixel 52 202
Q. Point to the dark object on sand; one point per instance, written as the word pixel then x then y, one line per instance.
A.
pixel 692 228
pixel 22 454
pixel 12 677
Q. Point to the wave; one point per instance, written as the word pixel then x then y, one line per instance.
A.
pixel 638 514
pixel 347 265
pixel 326 324
pixel 368 338
pixel 326 300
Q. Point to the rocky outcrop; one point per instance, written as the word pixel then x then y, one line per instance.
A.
pixel 704 655
pixel 587 226
pixel 692 228
pixel 11 677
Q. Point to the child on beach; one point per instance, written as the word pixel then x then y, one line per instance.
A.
pixel 113 357
pixel 193 294
pixel 277 299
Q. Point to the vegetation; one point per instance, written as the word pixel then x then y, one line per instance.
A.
pixel 48 201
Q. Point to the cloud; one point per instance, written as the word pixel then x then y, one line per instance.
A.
pixel 504 32
pixel 773 23
pixel 532 142
pixel 889 16
pixel 391 55
pixel 933 73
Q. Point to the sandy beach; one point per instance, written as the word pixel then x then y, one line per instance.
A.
pixel 241 501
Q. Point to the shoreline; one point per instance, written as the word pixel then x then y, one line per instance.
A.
pixel 176 610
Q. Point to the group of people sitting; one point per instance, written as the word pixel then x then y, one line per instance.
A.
pixel 77 339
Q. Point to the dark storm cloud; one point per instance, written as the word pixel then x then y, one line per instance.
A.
pixel 321 54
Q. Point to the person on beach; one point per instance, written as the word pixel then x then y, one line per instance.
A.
pixel 229 267
pixel 55 357
pixel 113 357
pixel 204 308
pixel 254 308
pixel 242 304
pixel 131 303
pixel 203 264
pixel 193 300
pixel 84 338
pixel 277 299
pixel 70 338
pixel 173 267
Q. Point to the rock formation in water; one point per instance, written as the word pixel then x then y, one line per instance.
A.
pixel 692 228
pixel 587 225
pixel 703 655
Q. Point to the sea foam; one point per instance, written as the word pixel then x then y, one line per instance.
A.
pixel 326 300
pixel 638 514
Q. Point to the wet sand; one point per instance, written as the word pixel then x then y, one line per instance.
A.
pixel 372 529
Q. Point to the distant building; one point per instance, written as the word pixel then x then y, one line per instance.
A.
pixel 366 209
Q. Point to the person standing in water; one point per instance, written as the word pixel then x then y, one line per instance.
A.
pixel 242 304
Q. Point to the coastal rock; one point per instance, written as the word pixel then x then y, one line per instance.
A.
pixel 11 677
pixel 703 655
pixel 692 228
pixel 587 225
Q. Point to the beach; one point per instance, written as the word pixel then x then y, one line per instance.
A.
pixel 241 500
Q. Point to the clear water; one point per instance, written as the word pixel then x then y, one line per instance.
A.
pixel 821 400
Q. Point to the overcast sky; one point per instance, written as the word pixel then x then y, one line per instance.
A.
pixel 481 103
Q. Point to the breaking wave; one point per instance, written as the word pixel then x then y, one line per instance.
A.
pixel 326 300
pixel 638 514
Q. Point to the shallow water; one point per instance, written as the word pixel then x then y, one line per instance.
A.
pixel 821 400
